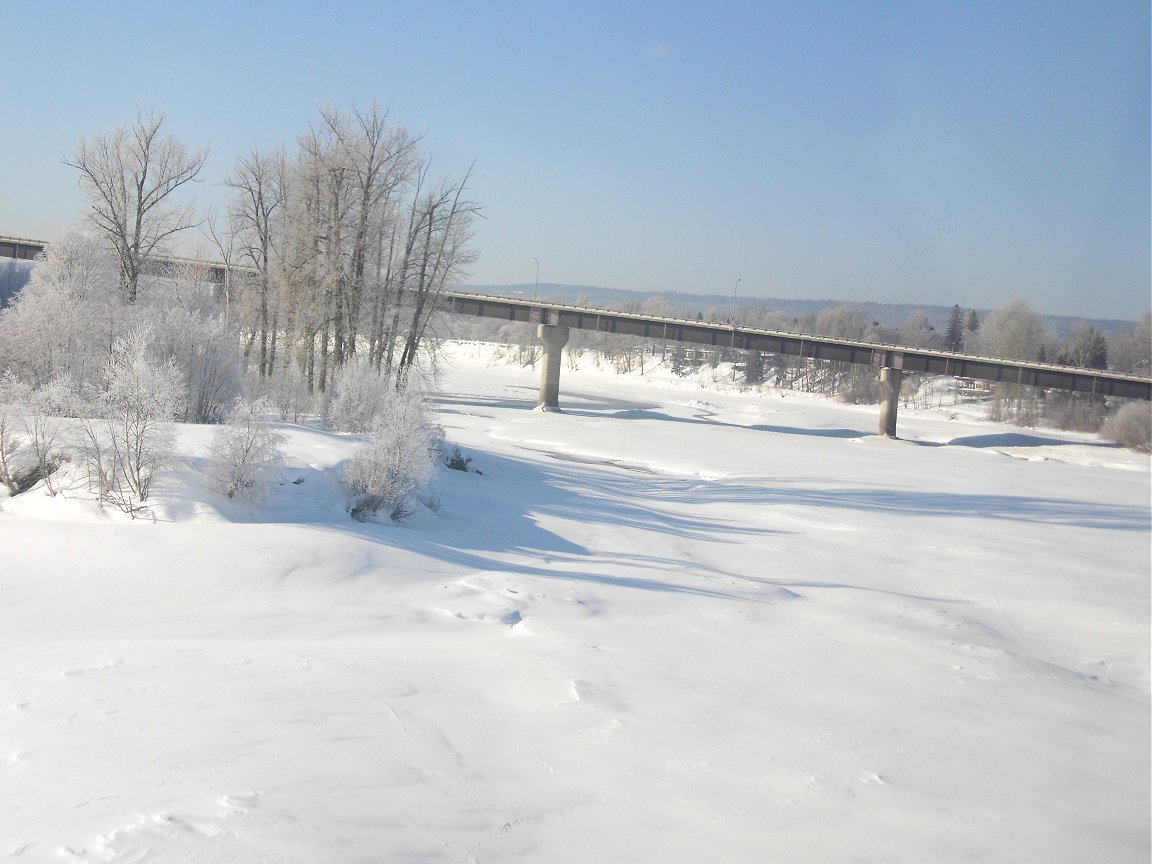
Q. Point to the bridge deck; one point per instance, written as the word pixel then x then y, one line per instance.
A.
pixel 803 345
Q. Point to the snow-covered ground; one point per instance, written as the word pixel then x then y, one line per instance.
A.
pixel 669 624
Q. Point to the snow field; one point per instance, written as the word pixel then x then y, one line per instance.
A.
pixel 668 624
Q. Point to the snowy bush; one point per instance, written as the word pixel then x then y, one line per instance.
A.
pixel 457 461
pixel 128 439
pixel 360 393
pixel 42 410
pixel 246 454
pixel 402 449
pixel 15 460
pixel 1078 412
pixel 860 390
pixel 1130 426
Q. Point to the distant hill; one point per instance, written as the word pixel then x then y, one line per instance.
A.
pixel 889 314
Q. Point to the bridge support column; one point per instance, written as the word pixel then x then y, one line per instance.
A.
pixel 553 337
pixel 890 380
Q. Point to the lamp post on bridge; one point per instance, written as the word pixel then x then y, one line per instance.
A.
pixel 536 290
pixel 732 347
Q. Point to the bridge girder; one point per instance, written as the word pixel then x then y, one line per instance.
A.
pixel 906 359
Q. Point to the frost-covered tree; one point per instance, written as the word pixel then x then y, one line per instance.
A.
pixel 290 393
pixel 245 454
pixel 188 326
pixel 42 411
pixel 14 275
pixel 128 438
pixel 842 322
pixel 32 431
pixel 352 241
pixel 1131 351
pixel 917 330
pixel 259 182
pixel 1015 331
pixel 208 359
pixel 396 460
pixel 130 176
pixel 65 319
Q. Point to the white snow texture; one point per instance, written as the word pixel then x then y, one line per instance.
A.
pixel 668 624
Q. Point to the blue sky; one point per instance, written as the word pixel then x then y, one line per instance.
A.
pixel 912 152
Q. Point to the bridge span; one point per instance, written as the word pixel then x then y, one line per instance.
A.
pixel 892 361
pixel 555 320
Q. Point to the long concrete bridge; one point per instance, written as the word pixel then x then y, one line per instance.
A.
pixel 554 322
pixel 891 361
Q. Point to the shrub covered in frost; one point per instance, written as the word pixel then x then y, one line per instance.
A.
pixel 1131 426
pixel 361 393
pixel 396 460
pixel 127 437
pixel 245 454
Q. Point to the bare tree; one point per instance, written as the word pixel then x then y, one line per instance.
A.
pixel 259 182
pixel 440 229
pixel 379 161
pixel 351 247
pixel 129 176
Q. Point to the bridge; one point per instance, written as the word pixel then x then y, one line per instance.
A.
pixel 554 322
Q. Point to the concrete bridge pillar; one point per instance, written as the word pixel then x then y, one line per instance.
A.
pixel 553 337
pixel 890 380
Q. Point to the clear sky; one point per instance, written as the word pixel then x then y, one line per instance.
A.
pixel 901 152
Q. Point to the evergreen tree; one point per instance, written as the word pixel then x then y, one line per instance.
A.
pixel 971 328
pixel 1087 348
pixel 954 337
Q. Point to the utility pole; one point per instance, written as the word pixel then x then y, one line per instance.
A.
pixel 732 347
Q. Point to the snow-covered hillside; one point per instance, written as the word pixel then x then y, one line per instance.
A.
pixel 669 624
